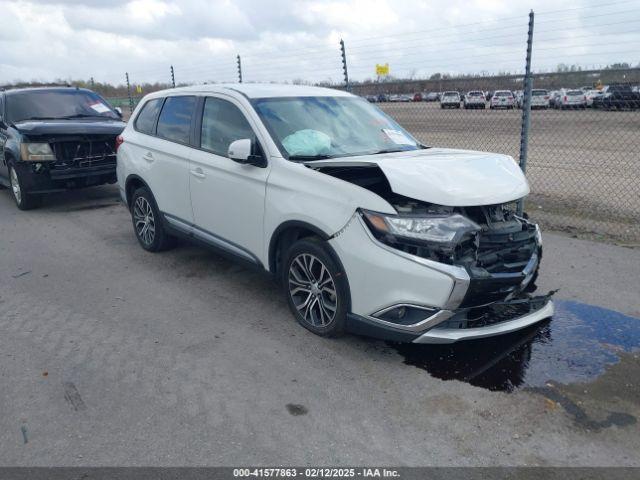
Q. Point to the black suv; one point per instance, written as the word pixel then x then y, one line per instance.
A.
pixel 617 97
pixel 55 138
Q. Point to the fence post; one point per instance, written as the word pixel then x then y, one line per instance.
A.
pixel 526 109
pixel 173 77
pixel 343 53
pixel 239 69
pixel 129 93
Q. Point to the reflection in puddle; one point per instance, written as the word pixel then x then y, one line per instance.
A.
pixel 575 346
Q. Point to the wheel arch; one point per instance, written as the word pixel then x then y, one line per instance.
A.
pixel 132 183
pixel 286 234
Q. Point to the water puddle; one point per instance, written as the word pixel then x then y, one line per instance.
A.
pixel 574 347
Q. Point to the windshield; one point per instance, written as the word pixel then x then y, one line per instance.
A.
pixel 502 93
pixel 538 93
pixel 56 104
pixel 575 92
pixel 326 127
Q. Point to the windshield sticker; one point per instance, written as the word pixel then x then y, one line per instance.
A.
pixel 397 137
pixel 100 107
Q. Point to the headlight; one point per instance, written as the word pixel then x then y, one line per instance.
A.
pixel 440 229
pixel 37 152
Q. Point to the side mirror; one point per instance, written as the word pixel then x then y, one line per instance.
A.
pixel 118 111
pixel 242 151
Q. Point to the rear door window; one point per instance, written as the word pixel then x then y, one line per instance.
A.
pixel 222 124
pixel 146 120
pixel 174 123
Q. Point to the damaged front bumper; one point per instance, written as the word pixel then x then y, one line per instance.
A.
pixel 499 319
pixel 446 326
pixel 402 297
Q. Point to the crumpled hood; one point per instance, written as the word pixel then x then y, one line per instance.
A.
pixel 458 178
pixel 70 127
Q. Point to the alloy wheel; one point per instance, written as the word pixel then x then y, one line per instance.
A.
pixel 144 220
pixel 312 290
pixel 15 185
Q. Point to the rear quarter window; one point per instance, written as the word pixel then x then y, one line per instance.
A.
pixel 146 119
pixel 174 123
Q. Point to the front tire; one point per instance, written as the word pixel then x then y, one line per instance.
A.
pixel 147 222
pixel 316 287
pixel 24 200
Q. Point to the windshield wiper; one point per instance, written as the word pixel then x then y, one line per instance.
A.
pixel 309 157
pixel 84 115
pixel 36 118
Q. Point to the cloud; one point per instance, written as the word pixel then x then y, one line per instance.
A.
pixel 298 39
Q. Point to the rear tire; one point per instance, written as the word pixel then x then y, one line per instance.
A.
pixel 147 222
pixel 24 200
pixel 316 287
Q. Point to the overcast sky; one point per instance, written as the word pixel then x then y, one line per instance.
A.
pixel 298 39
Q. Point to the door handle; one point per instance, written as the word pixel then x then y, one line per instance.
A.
pixel 148 157
pixel 198 173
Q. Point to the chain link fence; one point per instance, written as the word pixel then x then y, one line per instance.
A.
pixel 583 160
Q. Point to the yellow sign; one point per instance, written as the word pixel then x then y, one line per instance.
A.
pixel 138 89
pixel 382 70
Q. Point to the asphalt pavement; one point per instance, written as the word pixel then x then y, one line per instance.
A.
pixel 110 355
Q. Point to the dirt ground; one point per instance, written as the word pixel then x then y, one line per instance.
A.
pixel 583 165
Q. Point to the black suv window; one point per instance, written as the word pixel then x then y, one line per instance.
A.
pixel 146 120
pixel 175 119
pixel 56 104
pixel 222 124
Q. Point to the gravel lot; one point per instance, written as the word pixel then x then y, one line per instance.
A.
pixel 114 356
pixel 583 165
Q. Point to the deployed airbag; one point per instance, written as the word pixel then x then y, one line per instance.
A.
pixel 307 143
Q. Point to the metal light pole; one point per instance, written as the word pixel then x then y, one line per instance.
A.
pixel 239 69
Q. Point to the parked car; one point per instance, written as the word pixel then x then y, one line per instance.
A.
pixel 431 97
pixel 617 97
pixel 417 97
pixel 553 97
pixel 367 230
pixel 371 98
pixel 383 97
pixel 540 98
pixel 401 97
pixel 502 99
pixel 54 139
pixel 474 99
pixel 591 95
pixel 570 99
pixel 450 99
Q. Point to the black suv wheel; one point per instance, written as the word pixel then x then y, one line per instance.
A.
pixel 24 200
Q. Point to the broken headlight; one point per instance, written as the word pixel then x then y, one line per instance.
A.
pixel 448 229
pixel 37 152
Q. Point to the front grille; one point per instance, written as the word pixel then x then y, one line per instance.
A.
pixel 495 313
pixel 85 153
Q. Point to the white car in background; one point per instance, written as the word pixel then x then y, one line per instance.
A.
pixel 540 98
pixel 502 99
pixel 567 98
pixel 450 99
pixel 366 229
pixel 593 94
pixel 474 99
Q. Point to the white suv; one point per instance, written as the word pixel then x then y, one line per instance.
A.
pixel 368 230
